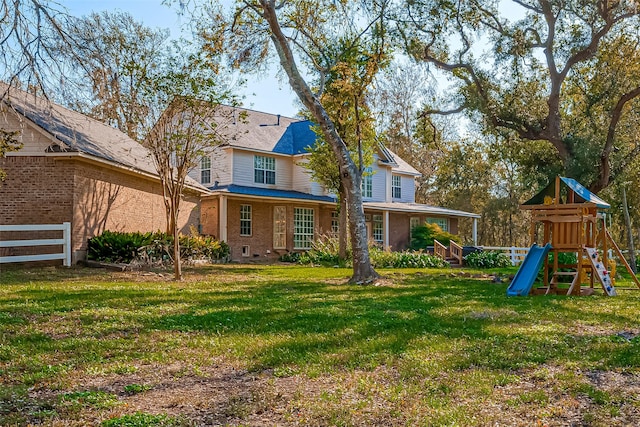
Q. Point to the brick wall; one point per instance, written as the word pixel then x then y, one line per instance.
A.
pixel 93 197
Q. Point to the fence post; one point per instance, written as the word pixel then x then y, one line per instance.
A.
pixel 67 243
pixel 513 255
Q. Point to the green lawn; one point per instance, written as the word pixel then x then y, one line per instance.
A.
pixel 289 345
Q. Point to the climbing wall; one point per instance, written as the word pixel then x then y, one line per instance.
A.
pixel 600 271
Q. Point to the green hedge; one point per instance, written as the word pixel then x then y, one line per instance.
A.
pixel 487 259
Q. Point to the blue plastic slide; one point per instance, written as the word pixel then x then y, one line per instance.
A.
pixel 528 271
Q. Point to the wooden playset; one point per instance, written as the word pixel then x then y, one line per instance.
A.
pixel 570 218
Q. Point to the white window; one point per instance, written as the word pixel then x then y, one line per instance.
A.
pixel 378 229
pixel 205 170
pixel 414 222
pixel 264 170
pixel 335 222
pixel 303 225
pixel 279 227
pixel 396 186
pixel 443 223
pixel 367 183
pixel 245 220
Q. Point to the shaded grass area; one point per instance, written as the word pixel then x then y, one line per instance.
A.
pixel 436 347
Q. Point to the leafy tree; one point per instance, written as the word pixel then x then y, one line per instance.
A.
pixel 344 97
pixel 532 73
pixel 30 30
pixel 310 34
pixel 184 124
pixel 113 62
pixel 8 142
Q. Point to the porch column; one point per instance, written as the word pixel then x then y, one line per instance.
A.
pixel 223 218
pixel 475 231
pixel 386 230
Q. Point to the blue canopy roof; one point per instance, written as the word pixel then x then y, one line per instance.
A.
pixel 583 195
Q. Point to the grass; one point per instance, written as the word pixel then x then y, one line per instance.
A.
pixel 289 345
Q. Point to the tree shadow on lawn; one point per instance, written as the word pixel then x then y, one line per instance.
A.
pixel 473 323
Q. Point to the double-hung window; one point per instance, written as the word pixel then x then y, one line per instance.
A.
pixel 264 170
pixel 378 228
pixel 205 170
pixel 367 183
pixel 303 226
pixel 245 220
pixel 335 222
pixel 443 223
pixel 396 186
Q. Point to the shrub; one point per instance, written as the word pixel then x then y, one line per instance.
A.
pixel 424 235
pixel 156 247
pixel 408 259
pixel 324 251
pixel 488 259
pixel 115 246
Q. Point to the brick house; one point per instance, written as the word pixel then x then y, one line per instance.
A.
pixel 263 202
pixel 78 170
pixel 252 192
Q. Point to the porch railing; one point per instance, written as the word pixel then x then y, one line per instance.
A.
pixel 455 251
pixel 439 249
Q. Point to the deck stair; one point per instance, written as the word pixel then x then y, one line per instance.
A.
pixel 451 254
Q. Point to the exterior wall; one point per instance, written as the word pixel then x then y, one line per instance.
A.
pixel 108 199
pixel 243 171
pixel 260 242
pixel 34 139
pixel 94 198
pixel 220 168
pixel 37 190
pixel 407 189
pixel 210 216
pixel 399 231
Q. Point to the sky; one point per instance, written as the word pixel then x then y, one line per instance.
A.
pixel 266 93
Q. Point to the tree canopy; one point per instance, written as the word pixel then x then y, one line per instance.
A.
pixel 563 72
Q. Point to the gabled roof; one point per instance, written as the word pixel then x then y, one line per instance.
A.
pixel 75 132
pixel 254 130
pixel 583 195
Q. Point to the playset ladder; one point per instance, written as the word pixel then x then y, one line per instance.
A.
pixel 600 271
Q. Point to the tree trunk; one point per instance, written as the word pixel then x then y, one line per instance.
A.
pixel 343 226
pixel 627 222
pixel 350 175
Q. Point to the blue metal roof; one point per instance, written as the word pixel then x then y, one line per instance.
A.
pixel 585 194
pixel 272 193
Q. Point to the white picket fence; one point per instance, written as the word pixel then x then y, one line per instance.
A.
pixel 64 242
pixel 516 254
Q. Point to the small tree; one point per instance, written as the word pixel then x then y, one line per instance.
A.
pixel 183 134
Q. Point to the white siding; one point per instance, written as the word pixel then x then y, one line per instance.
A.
pixel 220 168
pixel 379 184
pixel 301 177
pixel 243 171
pixel 408 189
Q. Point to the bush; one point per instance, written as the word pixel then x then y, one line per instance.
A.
pixel 155 247
pixel 424 235
pixel 115 246
pixel 325 252
pixel 487 259
pixel 408 259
